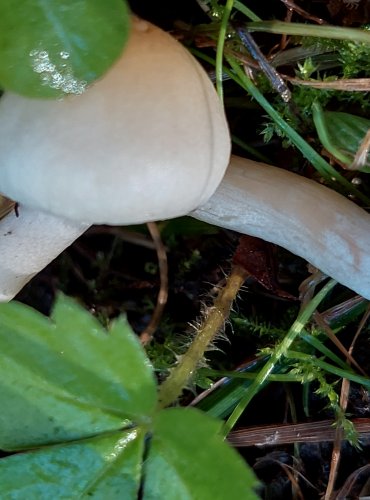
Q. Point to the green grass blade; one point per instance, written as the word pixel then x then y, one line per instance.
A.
pixel 278 353
pixel 322 166
pixel 320 31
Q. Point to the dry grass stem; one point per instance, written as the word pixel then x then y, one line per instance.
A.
pixel 331 335
pixel 344 84
pixel 343 402
pixel 277 435
pixel 147 335
pixel 292 6
pixel 360 158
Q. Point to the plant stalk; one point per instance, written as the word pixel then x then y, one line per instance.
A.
pixel 220 47
pixel 214 320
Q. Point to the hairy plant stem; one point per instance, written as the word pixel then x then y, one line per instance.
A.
pixel 214 320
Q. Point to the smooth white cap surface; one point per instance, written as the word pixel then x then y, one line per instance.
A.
pixel 149 141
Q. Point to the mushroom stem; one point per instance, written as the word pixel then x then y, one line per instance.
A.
pixel 28 243
pixel 306 218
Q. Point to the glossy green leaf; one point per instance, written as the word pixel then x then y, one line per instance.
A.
pixel 65 378
pixel 188 460
pixel 106 467
pixel 49 48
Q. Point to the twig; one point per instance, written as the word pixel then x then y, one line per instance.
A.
pixel 290 5
pixel 284 38
pixel 335 457
pixel 331 335
pixel 123 234
pixel 343 84
pixel 359 476
pixel 147 335
pixel 360 158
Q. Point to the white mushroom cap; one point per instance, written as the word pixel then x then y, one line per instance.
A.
pixel 148 141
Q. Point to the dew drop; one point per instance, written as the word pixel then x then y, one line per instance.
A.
pixel 59 78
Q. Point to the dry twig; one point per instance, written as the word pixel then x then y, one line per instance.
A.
pixel 281 434
pixel 335 457
pixel 292 6
pixel 147 335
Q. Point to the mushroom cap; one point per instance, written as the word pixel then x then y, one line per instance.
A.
pixel 148 141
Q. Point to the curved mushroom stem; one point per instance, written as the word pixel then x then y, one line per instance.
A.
pixel 308 219
pixel 28 243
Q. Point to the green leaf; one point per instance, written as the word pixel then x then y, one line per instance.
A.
pixel 103 467
pixel 187 227
pixel 49 48
pixel 188 460
pixel 122 375
pixel 66 378
pixel 341 134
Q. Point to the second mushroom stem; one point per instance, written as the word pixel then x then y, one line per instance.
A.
pixel 30 240
pixel 213 322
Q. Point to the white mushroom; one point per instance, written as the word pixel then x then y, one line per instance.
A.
pixel 149 141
